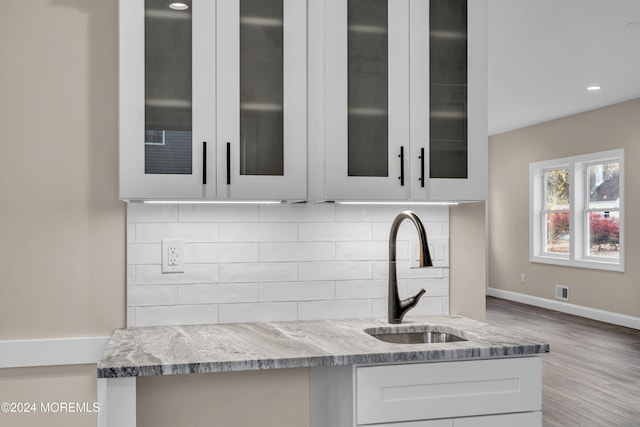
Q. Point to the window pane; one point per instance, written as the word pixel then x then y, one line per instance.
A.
pixel 557 239
pixel 168 139
pixel 261 87
pixel 556 189
pixel 604 180
pixel 604 234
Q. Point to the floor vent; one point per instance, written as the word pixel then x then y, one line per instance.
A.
pixel 562 292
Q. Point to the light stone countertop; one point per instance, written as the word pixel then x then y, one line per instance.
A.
pixel 171 350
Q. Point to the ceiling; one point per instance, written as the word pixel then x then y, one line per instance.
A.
pixel 544 53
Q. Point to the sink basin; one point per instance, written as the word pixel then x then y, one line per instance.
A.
pixel 401 336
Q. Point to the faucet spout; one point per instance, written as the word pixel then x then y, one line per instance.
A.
pixel 398 308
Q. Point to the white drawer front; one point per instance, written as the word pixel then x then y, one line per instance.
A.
pixel 393 393
pixel 528 419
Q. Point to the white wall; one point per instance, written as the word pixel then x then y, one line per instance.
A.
pixel 278 262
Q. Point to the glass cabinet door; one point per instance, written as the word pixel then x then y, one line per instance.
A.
pixel 448 89
pixel 367 70
pixel 367 96
pixel 168 100
pixel 262 99
pixel 163 95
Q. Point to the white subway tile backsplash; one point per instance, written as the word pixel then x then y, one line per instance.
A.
pixel 144 253
pixel 259 272
pixel 140 212
pixel 299 212
pixel 427 306
pixel 218 213
pixel 431 213
pixel 335 232
pixel 369 250
pixel 131 274
pixel 381 270
pixel 335 270
pixel 297 251
pixel 211 253
pixel 407 230
pixel 258 312
pixel 131 233
pixel 335 309
pixel 258 232
pixel 361 289
pixel 251 263
pixel 297 291
pixel 190 232
pixel 218 293
pixel 131 317
pixel 433 287
pixel 369 213
pixel 177 315
pixel 193 273
pixel 152 295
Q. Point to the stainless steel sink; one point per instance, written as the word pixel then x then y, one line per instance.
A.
pixel 401 336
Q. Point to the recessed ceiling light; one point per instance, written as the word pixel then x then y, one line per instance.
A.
pixel 594 88
pixel 179 6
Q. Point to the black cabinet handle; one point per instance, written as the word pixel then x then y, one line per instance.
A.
pixel 421 179
pixel 401 155
pixel 228 163
pixel 204 162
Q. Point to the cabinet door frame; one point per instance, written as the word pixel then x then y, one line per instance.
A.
pixel 340 186
pixel 134 183
pixel 293 184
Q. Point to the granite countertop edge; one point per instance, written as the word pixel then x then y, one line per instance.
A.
pixel 196 349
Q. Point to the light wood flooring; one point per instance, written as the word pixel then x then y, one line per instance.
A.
pixel 591 377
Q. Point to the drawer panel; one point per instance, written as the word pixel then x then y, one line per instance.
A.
pixel 394 393
pixel 528 419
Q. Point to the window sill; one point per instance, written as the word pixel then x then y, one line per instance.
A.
pixel 595 265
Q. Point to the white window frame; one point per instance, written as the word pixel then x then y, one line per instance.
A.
pixel 578 212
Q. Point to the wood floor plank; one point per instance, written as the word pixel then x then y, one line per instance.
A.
pixel 591 377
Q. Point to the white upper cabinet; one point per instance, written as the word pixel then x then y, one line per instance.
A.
pixel 213 100
pixel 262 102
pixel 296 100
pixel 404 95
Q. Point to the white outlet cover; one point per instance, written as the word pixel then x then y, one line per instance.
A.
pixel 173 255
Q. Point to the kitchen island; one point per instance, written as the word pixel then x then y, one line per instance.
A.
pixel 344 360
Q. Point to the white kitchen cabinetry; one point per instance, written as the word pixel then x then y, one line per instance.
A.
pixel 404 98
pixel 491 392
pixel 213 100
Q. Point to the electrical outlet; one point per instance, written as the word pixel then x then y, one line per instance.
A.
pixel 172 255
pixel 414 254
pixel 522 280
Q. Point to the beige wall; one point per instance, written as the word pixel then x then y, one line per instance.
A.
pixel 509 157
pixel 62 251
pixel 278 397
pixel 468 260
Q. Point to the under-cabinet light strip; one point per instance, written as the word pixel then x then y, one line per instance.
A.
pixel 403 202
pixel 273 202
pixel 214 202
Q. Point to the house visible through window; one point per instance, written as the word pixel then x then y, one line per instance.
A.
pixel 576 213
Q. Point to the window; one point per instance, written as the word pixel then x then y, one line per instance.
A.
pixel 576 216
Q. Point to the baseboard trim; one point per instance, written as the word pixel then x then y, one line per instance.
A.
pixel 576 310
pixel 52 351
